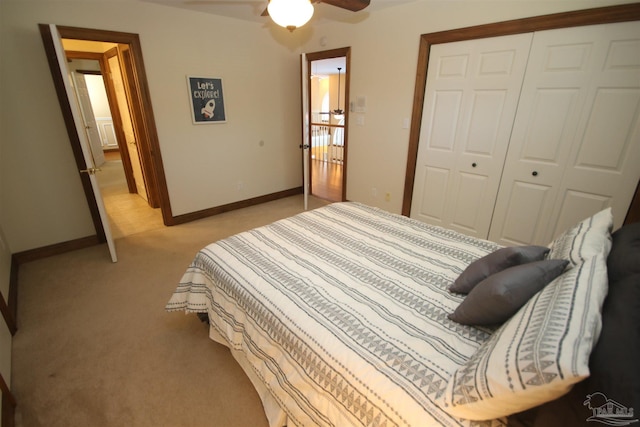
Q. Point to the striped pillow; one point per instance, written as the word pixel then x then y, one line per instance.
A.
pixel 584 240
pixel 539 353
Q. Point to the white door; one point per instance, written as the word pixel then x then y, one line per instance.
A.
pixel 82 136
pixel 88 118
pixel 470 102
pixel 306 123
pixel 127 125
pixel 575 147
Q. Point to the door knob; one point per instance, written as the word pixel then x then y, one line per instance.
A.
pixel 474 164
pixel 90 171
pixel 534 173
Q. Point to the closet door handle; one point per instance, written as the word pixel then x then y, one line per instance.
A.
pixel 474 164
pixel 534 173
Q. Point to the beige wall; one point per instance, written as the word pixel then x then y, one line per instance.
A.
pixel 5 262
pixel 384 58
pixel 42 198
pixel 42 202
pixel 5 335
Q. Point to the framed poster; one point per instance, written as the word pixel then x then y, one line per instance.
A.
pixel 206 99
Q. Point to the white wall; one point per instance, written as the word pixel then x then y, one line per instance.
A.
pixel 43 202
pixel 384 58
pixel 98 96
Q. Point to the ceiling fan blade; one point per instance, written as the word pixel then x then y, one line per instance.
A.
pixel 352 5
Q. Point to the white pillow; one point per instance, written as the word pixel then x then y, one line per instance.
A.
pixel 582 241
pixel 538 354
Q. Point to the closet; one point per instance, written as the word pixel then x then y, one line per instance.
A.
pixel 524 135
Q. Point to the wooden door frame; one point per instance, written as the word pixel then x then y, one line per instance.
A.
pixel 150 147
pixel 112 97
pixel 329 54
pixel 601 15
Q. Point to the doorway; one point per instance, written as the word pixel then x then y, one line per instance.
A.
pixel 106 112
pixel 129 58
pixel 328 82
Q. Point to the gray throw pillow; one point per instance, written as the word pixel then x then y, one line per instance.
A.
pixel 497 298
pixel 495 262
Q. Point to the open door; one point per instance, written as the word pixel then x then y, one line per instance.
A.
pixel 305 127
pixel 88 118
pixel 127 124
pixel 76 130
pixel 327 127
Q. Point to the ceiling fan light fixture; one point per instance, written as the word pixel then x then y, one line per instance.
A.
pixel 290 14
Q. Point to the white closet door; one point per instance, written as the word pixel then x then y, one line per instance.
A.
pixel 575 147
pixel 470 103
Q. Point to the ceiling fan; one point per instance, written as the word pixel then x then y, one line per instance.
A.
pixel 292 14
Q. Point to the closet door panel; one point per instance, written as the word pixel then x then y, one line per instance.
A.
pixel 475 168
pixel 444 121
pixel 537 156
pixel 604 165
pixel 433 177
pixel 573 205
pixel 470 102
pixel 576 130
pixel 469 193
pixel 525 213
pixel 431 205
pixel 612 122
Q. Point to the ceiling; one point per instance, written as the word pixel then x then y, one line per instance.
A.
pixel 324 67
pixel 250 10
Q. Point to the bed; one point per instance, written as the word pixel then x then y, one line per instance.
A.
pixel 346 315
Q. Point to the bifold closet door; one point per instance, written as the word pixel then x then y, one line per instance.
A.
pixel 575 146
pixel 470 103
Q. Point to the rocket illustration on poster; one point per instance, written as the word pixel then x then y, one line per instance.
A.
pixel 207 100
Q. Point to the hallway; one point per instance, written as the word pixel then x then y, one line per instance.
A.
pixel 128 213
pixel 326 180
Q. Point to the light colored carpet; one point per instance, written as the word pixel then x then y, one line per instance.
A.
pixel 96 348
pixel 128 213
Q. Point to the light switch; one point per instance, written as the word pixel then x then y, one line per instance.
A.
pixel 361 104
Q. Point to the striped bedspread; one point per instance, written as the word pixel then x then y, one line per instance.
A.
pixel 342 313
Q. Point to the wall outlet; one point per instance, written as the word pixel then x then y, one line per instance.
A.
pixel 240 185
pixel 374 192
